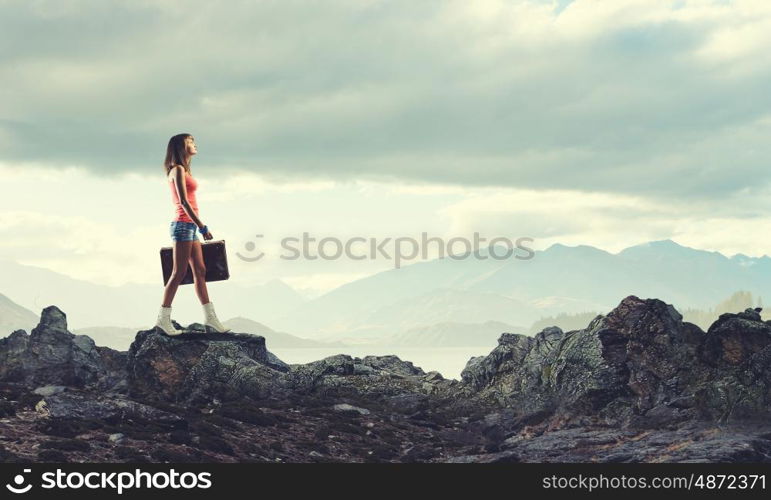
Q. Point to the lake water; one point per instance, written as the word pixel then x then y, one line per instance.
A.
pixel 449 361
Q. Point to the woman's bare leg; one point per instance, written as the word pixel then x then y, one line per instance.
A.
pixel 199 272
pixel 181 255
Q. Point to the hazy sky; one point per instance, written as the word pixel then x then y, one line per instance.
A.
pixel 601 122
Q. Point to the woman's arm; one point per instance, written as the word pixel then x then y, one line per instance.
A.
pixel 179 181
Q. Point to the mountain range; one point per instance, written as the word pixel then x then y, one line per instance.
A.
pixel 99 305
pixel 560 279
pixel 415 297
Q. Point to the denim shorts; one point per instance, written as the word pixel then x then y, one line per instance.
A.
pixel 183 231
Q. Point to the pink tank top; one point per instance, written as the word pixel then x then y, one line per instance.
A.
pixel 190 185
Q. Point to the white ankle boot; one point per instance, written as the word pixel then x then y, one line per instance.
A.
pixel 210 318
pixel 164 322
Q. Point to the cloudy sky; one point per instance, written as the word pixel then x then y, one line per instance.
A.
pixel 599 122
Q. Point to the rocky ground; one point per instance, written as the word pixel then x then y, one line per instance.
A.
pixel 635 385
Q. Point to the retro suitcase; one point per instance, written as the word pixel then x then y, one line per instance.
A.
pixel 214 257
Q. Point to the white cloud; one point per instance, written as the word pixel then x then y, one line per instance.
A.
pixel 605 123
pixel 491 92
pixel 109 230
pixel 78 246
pixel 614 222
pixel 244 185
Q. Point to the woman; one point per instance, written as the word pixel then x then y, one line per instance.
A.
pixel 187 247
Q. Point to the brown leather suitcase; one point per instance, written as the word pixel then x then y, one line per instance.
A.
pixel 214 257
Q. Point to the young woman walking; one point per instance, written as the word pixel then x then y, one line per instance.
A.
pixel 187 247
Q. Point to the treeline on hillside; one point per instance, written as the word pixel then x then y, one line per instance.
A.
pixel 565 321
pixel 738 301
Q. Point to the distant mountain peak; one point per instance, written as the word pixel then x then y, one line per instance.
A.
pixel 658 244
pixel 659 247
pixel 560 248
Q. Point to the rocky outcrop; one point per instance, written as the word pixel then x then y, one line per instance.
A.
pixel 197 368
pixel 80 405
pixel 637 384
pixel 736 359
pixel 692 442
pixel 53 355
pixel 200 366
pixel 385 381
pixel 640 365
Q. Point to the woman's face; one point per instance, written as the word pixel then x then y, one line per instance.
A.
pixel 190 146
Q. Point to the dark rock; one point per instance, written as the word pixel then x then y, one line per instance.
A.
pixel 640 365
pixel 87 405
pixel 635 385
pixel 360 369
pixel 387 379
pixel 130 455
pixel 511 350
pixel 391 364
pixel 66 427
pixel 7 456
pixel 408 402
pixel 51 355
pixel 49 390
pixel 350 408
pixel 52 457
pixel 114 363
pixel 7 409
pixel 306 376
pixel 66 445
pixel 486 458
pixel 189 366
pixel 737 350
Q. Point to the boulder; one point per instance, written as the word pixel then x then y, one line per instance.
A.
pixel 638 365
pixel 90 406
pixel 51 355
pixel 192 366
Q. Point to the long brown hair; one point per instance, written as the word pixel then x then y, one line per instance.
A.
pixel 175 153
